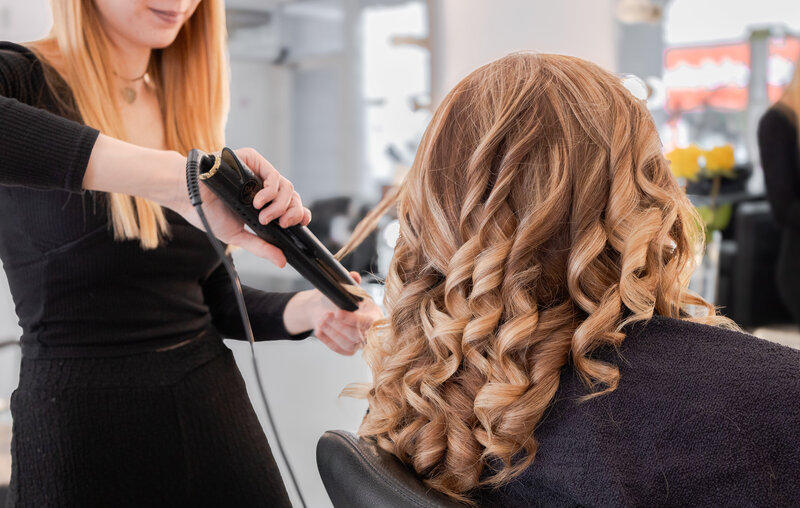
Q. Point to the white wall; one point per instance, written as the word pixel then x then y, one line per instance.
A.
pixel 22 21
pixel 687 21
pixel 470 33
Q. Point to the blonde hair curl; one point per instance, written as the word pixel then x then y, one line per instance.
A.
pixel 538 220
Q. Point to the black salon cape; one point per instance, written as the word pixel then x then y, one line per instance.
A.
pixel 703 416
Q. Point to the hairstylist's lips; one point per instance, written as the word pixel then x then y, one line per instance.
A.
pixel 169 17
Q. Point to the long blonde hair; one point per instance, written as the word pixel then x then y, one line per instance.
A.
pixel 539 219
pixel 190 77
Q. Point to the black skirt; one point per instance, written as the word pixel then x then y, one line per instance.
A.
pixel 168 428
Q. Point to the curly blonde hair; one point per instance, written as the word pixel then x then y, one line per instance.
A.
pixel 538 220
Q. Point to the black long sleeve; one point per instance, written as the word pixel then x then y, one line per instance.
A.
pixel 265 309
pixel 39 149
pixel 780 158
pixel 77 289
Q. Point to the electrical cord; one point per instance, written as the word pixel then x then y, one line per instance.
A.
pixel 194 195
pixel 7 343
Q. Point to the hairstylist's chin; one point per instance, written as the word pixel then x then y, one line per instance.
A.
pixel 160 41
pixel 149 23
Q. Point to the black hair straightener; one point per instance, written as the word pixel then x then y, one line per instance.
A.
pixel 236 185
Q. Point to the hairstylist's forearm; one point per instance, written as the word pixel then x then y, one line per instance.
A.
pixel 160 176
pixel 117 166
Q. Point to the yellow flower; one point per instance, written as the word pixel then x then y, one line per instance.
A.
pixel 719 160
pixel 683 162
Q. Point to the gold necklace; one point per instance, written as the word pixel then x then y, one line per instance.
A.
pixel 128 92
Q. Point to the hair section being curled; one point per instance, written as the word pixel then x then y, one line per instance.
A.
pixel 538 220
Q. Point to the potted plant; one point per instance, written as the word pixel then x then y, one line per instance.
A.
pixel 703 173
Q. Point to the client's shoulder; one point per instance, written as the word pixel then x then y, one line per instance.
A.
pixel 692 335
pixel 693 401
pixel 686 348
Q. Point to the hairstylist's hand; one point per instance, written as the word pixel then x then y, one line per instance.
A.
pixel 286 208
pixel 343 332
pixel 160 175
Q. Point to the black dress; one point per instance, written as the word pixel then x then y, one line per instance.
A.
pixel 127 395
pixel 780 158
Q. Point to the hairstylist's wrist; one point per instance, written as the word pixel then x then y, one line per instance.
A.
pixel 300 310
pixel 168 187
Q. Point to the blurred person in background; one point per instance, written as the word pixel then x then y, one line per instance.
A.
pixel 541 346
pixel 127 395
pixel 780 158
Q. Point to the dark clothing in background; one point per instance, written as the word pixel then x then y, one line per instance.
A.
pixel 80 294
pixel 702 416
pixel 780 158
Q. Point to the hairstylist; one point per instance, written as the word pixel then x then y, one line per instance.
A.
pixel 127 395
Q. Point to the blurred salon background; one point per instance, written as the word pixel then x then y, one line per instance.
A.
pixel 337 93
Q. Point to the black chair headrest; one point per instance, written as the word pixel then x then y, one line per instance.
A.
pixel 357 473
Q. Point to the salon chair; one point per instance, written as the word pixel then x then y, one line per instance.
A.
pixel 357 473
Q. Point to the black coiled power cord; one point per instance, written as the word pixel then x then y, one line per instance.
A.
pixel 194 162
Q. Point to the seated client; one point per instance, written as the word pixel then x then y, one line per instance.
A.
pixel 541 346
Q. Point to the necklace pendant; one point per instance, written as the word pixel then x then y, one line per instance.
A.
pixel 129 94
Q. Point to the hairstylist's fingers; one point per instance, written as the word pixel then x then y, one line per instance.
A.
pixel 356 277
pixel 332 345
pixel 337 332
pixel 306 216
pixel 268 191
pixel 332 339
pixel 259 247
pixel 252 158
pixel 349 318
pixel 352 333
pixel 368 312
pixel 266 171
pixel 280 204
pixel 256 162
pixel 294 214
